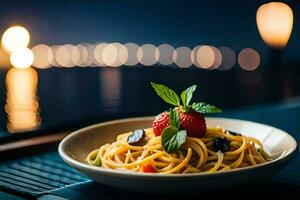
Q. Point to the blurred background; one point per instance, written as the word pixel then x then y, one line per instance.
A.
pixel 66 64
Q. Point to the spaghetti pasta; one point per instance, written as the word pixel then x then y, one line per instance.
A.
pixel 195 155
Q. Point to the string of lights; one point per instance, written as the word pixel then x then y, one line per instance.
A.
pixel 16 39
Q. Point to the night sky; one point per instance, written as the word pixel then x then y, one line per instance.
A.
pixel 177 22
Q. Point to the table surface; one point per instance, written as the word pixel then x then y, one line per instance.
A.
pixel 284 115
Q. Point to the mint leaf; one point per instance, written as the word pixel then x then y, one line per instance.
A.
pixel 174 119
pixel 172 139
pixel 187 95
pixel 204 108
pixel 167 94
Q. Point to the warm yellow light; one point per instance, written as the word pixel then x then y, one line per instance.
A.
pixel 21 58
pixel 14 38
pixel 110 55
pixel 98 54
pixel 275 23
pixel 43 56
pixel 22 105
pixel 4 59
pixel 205 57
pixel 63 55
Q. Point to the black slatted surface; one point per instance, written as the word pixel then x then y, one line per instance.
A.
pixel 37 174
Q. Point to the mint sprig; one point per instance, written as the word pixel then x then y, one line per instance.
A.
pixel 172 138
pixel 204 108
pixel 174 119
pixel 170 97
pixel 187 95
pixel 167 94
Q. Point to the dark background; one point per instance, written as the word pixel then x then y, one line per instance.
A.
pixel 70 98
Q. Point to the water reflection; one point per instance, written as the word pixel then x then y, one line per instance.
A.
pixel 110 81
pixel 22 106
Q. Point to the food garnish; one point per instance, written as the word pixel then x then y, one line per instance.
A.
pixel 184 119
pixel 137 138
pixel 221 144
pixel 148 168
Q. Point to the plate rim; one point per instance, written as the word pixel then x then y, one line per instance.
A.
pixel 111 172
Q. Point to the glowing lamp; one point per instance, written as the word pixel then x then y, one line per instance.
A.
pixel 14 38
pixel 275 23
pixel 21 58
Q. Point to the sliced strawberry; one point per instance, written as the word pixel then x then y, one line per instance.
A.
pixel 148 168
pixel 193 122
pixel 160 122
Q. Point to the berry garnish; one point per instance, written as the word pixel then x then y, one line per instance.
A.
pixel 193 122
pixel 221 144
pixel 191 116
pixel 184 119
pixel 137 138
pixel 160 122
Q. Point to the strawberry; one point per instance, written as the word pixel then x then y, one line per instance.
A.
pixel 160 122
pixel 193 122
pixel 184 120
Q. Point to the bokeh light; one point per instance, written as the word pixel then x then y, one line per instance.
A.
pixel 132 49
pixel 63 55
pixel 21 58
pixel 122 55
pixel 193 55
pixel 14 38
pixel 53 49
pixel 22 105
pixel 130 54
pixel 114 55
pixel 43 56
pixel 148 54
pixel 249 59
pixel 87 55
pixel 75 55
pixel 228 58
pixel 110 55
pixel 182 57
pixel 98 54
pixel 205 57
pixel 83 54
pixel 218 58
pixel 275 23
pixel 166 52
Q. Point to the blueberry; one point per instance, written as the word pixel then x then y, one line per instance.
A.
pixel 221 144
pixel 137 137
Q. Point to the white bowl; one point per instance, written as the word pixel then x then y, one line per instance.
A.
pixel 75 147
